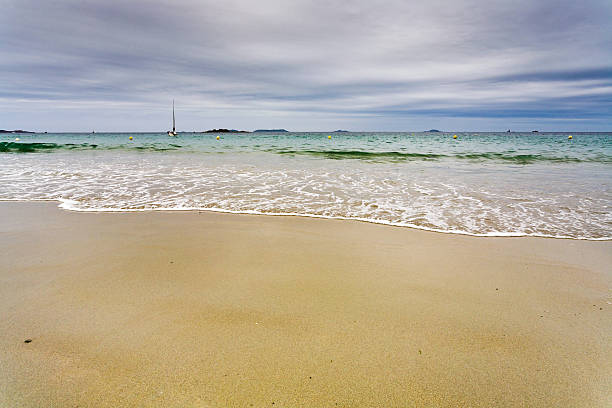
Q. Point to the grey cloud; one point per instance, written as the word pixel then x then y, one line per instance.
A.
pixel 307 59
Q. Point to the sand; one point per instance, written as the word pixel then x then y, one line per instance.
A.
pixel 223 310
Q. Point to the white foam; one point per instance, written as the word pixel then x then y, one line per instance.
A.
pixel 71 205
pixel 405 195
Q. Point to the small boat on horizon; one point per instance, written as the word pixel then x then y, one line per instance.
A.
pixel 173 131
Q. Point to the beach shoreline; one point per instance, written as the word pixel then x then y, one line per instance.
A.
pixel 67 205
pixel 170 308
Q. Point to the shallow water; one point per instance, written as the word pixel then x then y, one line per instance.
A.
pixel 496 184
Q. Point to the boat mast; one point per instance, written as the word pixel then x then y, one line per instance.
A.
pixel 173 122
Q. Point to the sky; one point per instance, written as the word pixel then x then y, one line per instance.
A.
pixel 318 65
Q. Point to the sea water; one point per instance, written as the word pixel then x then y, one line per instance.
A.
pixel 485 184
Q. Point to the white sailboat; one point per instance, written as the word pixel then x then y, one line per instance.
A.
pixel 173 131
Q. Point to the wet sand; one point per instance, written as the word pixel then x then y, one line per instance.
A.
pixel 223 310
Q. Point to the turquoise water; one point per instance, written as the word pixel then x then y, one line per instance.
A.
pixel 495 184
pixel 522 148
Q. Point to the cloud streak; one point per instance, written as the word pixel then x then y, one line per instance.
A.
pixel 306 65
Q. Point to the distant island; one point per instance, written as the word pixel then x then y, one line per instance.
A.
pixel 15 131
pixel 340 131
pixel 270 130
pixel 433 131
pixel 225 131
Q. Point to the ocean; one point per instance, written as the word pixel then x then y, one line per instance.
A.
pixel 483 184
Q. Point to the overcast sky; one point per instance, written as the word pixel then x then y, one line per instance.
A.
pixel 116 65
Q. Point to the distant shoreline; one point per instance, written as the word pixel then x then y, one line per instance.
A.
pixel 15 131
pixel 539 132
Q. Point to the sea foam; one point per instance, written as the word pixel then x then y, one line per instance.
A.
pixel 494 197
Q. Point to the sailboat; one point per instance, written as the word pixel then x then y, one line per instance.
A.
pixel 173 131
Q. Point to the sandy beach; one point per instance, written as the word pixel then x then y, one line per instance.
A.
pixel 196 309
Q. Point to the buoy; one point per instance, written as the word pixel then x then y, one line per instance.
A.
pixel 131 138
pixel 17 139
pixel 570 137
pixel 454 136
pixel 329 137
pixel 218 137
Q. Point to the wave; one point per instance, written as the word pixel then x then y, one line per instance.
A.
pixel 20 147
pixel 405 156
pixel 358 154
pixel 40 147
pixel 571 205
pixel 72 205
pixel 371 156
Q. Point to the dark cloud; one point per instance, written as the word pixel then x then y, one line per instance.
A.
pixel 305 64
